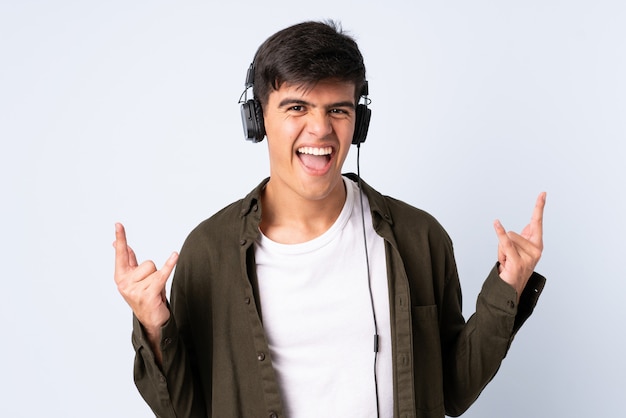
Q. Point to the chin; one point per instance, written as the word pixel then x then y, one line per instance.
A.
pixel 319 188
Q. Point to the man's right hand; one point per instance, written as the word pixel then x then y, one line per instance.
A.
pixel 143 286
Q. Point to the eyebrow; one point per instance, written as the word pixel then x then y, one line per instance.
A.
pixel 290 102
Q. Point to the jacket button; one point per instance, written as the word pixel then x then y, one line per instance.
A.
pixel 247 301
pixel 260 356
pixel 273 414
pixel 242 242
pixel 511 304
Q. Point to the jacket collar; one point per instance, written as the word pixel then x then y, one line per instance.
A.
pixel 378 204
pixel 252 202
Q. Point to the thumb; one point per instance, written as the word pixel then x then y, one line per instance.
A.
pixel 167 269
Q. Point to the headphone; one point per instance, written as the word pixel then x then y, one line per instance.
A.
pixel 252 114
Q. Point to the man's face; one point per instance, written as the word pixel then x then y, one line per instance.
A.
pixel 309 132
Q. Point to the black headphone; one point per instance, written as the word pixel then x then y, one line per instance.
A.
pixel 252 114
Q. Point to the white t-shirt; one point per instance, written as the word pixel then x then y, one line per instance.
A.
pixel 317 316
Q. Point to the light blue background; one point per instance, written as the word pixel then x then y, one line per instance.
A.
pixel 127 111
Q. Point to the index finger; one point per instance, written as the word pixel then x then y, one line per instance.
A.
pixel 121 247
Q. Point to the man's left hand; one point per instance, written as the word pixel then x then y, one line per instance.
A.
pixel 518 254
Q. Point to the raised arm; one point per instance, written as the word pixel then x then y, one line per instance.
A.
pixel 143 288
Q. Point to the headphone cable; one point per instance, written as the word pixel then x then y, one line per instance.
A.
pixel 369 277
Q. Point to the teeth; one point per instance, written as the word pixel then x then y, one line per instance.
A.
pixel 315 151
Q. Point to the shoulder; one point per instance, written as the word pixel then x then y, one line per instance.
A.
pixel 219 223
pixel 411 224
pixel 405 212
pixel 226 225
pixel 404 218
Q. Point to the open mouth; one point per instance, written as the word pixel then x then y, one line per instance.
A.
pixel 315 158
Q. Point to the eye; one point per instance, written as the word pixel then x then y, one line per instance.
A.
pixel 339 112
pixel 297 108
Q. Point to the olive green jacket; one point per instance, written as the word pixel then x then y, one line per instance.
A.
pixel 216 360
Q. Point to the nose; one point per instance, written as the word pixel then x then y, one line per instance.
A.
pixel 319 124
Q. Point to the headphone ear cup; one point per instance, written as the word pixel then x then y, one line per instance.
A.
pixel 362 124
pixel 252 120
pixel 260 122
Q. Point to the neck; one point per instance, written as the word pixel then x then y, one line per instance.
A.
pixel 291 219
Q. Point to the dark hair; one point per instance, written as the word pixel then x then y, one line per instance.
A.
pixel 305 54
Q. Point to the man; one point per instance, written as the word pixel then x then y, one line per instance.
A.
pixel 315 295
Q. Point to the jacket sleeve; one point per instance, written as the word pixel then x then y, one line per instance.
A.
pixel 171 390
pixel 473 351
